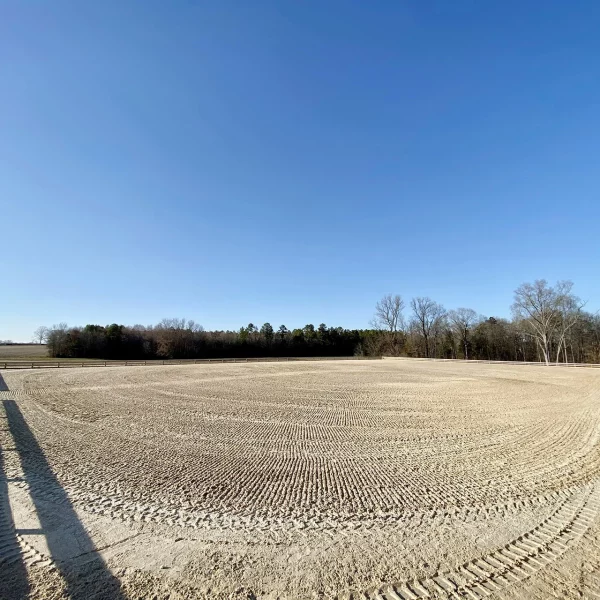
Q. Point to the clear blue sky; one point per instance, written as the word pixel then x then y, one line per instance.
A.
pixel 293 161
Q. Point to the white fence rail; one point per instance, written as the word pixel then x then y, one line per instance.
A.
pixel 497 362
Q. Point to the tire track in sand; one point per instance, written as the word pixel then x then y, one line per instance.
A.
pixel 508 565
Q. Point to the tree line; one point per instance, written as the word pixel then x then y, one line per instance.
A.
pixel 548 324
pixel 180 338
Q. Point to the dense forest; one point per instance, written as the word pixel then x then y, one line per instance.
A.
pixel 548 324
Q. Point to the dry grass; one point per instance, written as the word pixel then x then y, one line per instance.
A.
pixel 312 478
pixel 23 352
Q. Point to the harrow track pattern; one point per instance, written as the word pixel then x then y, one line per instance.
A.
pixel 511 564
pixel 117 507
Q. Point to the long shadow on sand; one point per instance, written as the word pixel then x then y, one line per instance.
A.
pixel 13 579
pixel 84 573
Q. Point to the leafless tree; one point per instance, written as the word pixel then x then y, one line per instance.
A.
pixel 537 307
pixel 461 321
pixel 388 317
pixel 569 309
pixel 194 327
pixel 177 337
pixel 427 315
pixel 174 323
pixel 388 313
pixel 40 335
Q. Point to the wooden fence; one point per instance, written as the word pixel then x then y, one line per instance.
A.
pixel 497 362
pixel 72 363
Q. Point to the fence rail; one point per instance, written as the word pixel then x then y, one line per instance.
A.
pixel 73 363
pixel 497 362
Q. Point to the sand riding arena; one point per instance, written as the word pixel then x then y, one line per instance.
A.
pixel 392 479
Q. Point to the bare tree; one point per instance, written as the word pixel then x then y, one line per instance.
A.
pixel 40 335
pixel 428 315
pixel 388 317
pixel 388 313
pixel 439 330
pixel 461 321
pixel 569 310
pixel 173 323
pixel 537 307
pixel 194 327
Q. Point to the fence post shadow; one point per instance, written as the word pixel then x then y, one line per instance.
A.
pixel 83 570
pixel 14 582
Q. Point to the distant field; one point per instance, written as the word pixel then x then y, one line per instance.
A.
pixel 35 352
pixel 23 351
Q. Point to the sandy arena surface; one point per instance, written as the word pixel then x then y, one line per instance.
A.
pixel 386 480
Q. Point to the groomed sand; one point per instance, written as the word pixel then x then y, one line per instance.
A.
pixel 392 479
